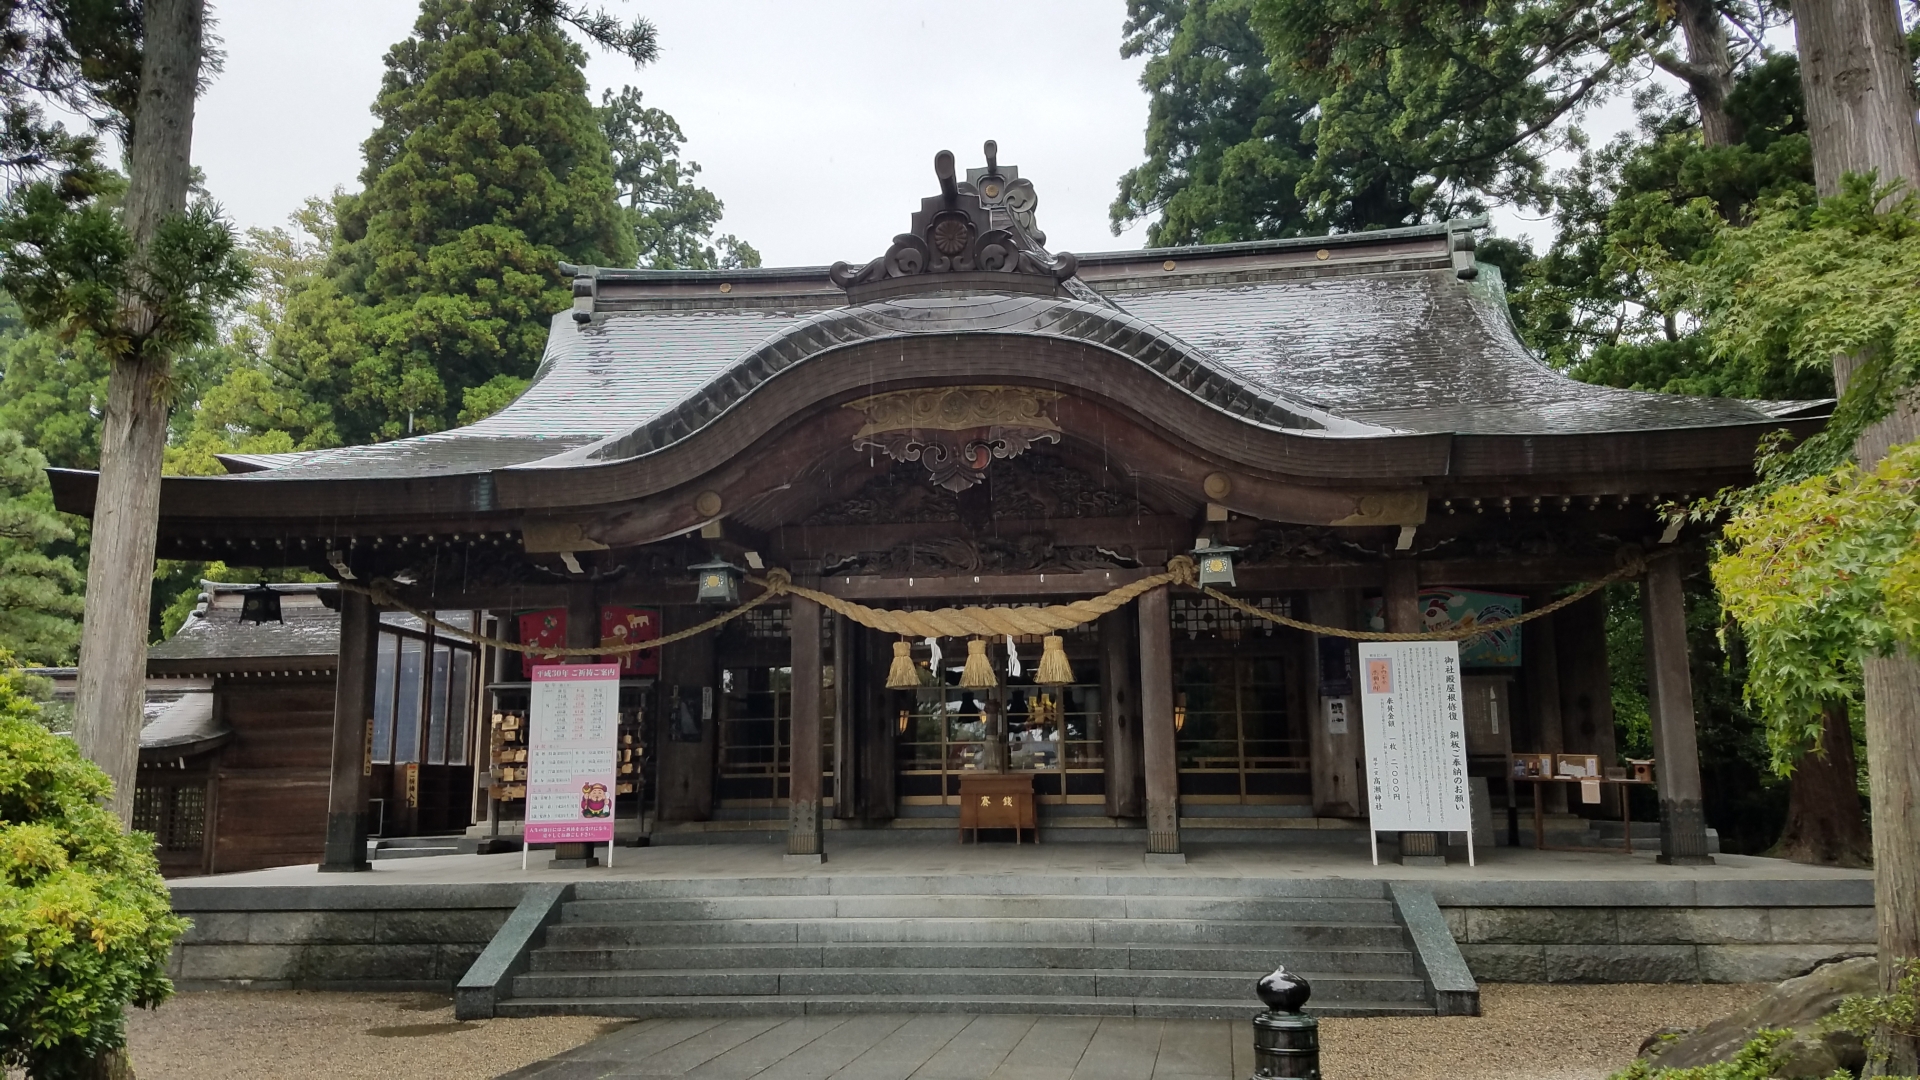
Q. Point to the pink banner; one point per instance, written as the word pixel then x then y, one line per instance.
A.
pixel 572 753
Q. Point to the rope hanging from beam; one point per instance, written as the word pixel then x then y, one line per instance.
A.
pixel 994 621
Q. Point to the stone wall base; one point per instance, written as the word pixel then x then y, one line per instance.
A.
pixel 1656 944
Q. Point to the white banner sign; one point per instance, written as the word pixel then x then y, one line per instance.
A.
pixel 1416 736
pixel 572 754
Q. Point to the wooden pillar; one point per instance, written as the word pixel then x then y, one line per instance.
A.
pixel 849 713
pixel 1586 688
pixel 877 720
pixel 352 766
pixel 1120 691
pixel 687 736
pixel 1540 664
pixel 803 785
pixel 1683 822
pixel 1402 608
pixel 1157 735
pixel 1336 757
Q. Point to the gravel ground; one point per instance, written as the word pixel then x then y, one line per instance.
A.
pixel 254 1035
pixel 1557 1032
pixel 1526 1032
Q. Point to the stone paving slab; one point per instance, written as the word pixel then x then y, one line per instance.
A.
pixel 898 1047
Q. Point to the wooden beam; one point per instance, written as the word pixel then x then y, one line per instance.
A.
pixel 1158 737
pixel 352 763
pixel 1540 670
pixel 803 792
pixel 1683 822
pixel 968 587
pixel 1586 687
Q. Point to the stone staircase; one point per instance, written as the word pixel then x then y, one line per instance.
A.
pixel 1098 946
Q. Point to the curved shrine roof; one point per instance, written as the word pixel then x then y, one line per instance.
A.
pixel 1343 337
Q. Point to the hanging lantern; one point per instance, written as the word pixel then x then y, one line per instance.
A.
pixel 1215 565
pixel 978 674
pixel 903 721
pixel 719 582
pixel 1180 713
pixel 260 604
pixel 903 675
pixel 1054 669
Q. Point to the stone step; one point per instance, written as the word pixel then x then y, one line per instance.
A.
pixel 1248 933
pixel 1009 884
pixel 1367 959
pixel 961 906
pixel 1238 1008
pixel 1328 987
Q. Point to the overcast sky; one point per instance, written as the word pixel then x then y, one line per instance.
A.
pixel 815 122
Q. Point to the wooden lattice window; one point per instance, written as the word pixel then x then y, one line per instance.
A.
pixel 176 815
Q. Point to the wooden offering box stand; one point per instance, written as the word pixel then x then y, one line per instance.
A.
pixel 997 801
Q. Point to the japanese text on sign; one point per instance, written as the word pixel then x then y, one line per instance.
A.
pixel 572 759
pixel 1415 737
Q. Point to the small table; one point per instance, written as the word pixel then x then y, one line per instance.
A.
pixel 997 801
pixel 1540 813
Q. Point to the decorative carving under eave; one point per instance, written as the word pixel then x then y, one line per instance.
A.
pixel 1028 553
pixel 957 431
pixel 964 230
pixel 1035 487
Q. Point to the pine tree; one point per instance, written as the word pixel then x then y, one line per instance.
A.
pixel 40 592
pixel 488 168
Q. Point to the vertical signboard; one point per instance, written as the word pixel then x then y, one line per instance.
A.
pixel 572 753
pixel 1416 738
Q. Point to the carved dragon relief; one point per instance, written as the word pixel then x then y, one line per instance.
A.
pixel 1036 487
pixel 957 431
pixel 957 232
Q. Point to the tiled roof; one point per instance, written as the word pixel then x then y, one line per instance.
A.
pixel 1364 345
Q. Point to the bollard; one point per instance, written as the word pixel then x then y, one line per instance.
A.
pixel 1286 1041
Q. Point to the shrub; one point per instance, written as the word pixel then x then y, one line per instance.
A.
pixel 1758 1060
pixel 85 923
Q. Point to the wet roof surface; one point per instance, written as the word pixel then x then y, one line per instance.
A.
pixel 1343 354
pixel 218 634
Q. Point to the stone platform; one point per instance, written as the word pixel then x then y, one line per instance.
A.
pixel 1083 928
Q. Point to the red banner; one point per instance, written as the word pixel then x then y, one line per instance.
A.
pixel 618 626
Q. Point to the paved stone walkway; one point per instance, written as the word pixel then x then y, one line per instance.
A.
pixel 924 1047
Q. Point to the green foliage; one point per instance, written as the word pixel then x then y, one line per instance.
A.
pixel 1425 110
pixel 1225 148
pixel 1822 573
pixel 41 595
pixel 51 392
pixel 673 217
pixel 1759 1059
pixel 480 402
pixel 488 168
pixel 1811 281
pixel 85 918
pixel 1898 1013
pixel 1592 304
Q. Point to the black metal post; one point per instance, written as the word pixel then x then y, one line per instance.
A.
pixel 1286 1041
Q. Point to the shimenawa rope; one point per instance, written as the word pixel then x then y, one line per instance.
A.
pixel 977 621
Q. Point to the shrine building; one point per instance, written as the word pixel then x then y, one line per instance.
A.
pixel 965 418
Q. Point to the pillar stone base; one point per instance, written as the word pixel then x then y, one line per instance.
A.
pixel 1166 858
pixel 346 844
pixel 1163 841
pixel 1683 834
pixel 573 857
pixel 803 827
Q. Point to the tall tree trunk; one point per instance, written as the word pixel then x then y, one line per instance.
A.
pixel 1709 69
pixel 1855 75
pixel 1825 822
pixel 113 639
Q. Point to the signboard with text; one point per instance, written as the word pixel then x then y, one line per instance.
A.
pixel 572 753
pixel 1416 740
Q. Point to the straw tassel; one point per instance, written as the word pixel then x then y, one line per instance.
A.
pixel 902 675
pixel 978 674
pixel 1054 669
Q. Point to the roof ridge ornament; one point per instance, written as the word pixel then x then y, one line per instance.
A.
pixel 981 225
